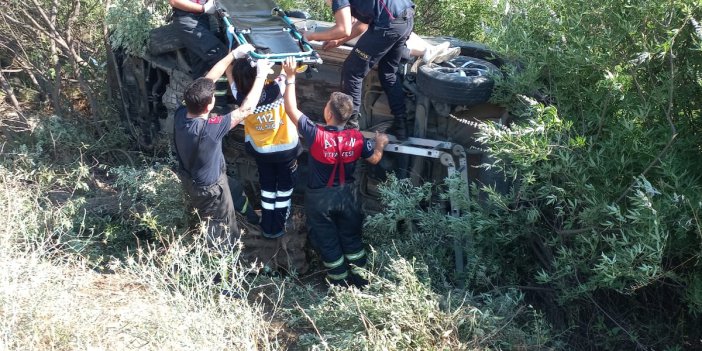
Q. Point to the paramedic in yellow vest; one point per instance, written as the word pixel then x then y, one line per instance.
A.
pixel 273 141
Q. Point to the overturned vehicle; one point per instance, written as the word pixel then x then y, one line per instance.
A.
pixel 444 103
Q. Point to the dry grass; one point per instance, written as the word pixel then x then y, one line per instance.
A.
pixel 53 301
pixel 44 306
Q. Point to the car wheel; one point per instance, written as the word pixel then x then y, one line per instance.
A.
pixel 461 81
pixel 480 51
pixel 164 39
pixel 135 100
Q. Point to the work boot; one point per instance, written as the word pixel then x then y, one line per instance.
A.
pixel 352 122
pixel 272 236
pixel 358 281
pixel 399 128
pixel 251 216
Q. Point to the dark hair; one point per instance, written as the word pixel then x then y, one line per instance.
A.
pixel 244 75
pixel 341 106
pixel 198 95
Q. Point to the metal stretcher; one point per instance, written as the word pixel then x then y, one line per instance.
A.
pixel 266 27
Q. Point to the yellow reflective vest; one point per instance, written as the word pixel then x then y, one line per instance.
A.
pixel 268 129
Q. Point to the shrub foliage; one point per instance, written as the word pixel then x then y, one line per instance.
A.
pixel 603 211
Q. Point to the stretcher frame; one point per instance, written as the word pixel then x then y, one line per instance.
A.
pixel 307 55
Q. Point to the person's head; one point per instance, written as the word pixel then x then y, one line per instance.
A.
pixel 199 96
pixel 244 75
pixel 338 109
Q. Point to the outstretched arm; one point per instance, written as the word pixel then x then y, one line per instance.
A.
pixel 381 140
pixel 187 5
pixel 251 100
pixel 290 66
pixel 220 67
pixel 357 29
pixel 341 29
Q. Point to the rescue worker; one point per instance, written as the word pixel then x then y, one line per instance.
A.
pixel 332 206
pixel 198 143
pixel 273 142
pixel 384 27
pixel 191 17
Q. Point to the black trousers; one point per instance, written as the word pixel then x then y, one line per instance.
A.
pixel 334 221
pixel 277 181
pixel 214 203
pixel 204 48
pixel 383 46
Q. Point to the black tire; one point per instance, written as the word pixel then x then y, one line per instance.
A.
pixel 136 116
pixel 480 51
pixel 164 39
pixel 461 81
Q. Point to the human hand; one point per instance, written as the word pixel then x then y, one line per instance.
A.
pixel 209 7
pixel 330 44
pixel 290 67
pixel 381 140
pixel 242 50
pixel 263 68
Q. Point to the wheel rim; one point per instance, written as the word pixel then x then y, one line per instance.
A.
pixel 468 68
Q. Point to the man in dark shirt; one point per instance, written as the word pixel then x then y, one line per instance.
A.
pixel 332 206
pixel 386 25
pixel 198 141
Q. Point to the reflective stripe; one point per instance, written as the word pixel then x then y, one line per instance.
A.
pixel 337 263
pixel 267 206
pixel 220 93
pixel 246 205
pixel 283 204
pixel 284 193
pixel 357 255
pixel 338 276
pixel 272 106
pixel 268 194
pixel 357 270
pixel 271 148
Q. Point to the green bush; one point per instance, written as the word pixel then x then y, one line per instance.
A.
pixel 606 179
pixel 131 20
pixel 158 202
pixel 161 296
pixel 317 9
pixel 101 209
pixel 399 312
pixel 462 19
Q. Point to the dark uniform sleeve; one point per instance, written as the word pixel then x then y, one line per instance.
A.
pixel 223 123
pixel 339 4
pixel 307 128
pixel 368 148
